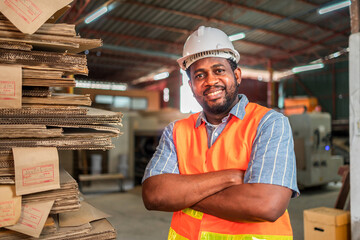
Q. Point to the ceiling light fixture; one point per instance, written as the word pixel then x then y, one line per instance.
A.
pixel 334 7
pixel 96 15
pixel 161 76
pixel 237 36
pixel 307 67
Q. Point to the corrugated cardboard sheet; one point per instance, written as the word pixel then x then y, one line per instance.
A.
pixel 48 119
pixel 97 230
pixel 66 198
pixel 36 91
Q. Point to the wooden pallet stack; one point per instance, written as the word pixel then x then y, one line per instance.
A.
pixel 49 58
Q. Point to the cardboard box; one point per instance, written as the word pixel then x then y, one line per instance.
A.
pixel 325 223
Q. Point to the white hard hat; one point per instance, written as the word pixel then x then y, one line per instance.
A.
pixel 207 42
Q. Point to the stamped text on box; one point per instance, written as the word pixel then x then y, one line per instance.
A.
pixel 26 9
pixel 38 174
pixel 30 217
pixel 7 88
pixel 7 211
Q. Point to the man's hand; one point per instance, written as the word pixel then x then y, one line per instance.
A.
pixel 174 192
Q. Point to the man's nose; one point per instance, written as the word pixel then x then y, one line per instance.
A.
pixel 211 79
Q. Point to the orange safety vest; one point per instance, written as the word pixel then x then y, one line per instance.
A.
pixel 233 147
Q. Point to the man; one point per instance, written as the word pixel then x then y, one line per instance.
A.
pixel 229 171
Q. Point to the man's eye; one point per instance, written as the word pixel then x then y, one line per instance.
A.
pixel 219 70
pixel 199 76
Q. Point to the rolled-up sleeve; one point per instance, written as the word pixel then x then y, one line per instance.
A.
pixel 272 158
pixel 164 159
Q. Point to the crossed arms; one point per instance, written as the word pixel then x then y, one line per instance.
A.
pixel 221 194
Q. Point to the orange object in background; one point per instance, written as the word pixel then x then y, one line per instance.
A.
pixel 296 105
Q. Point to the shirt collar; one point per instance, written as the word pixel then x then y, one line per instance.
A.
pixel 238 111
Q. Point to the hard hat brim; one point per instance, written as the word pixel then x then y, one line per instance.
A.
pixel 222 53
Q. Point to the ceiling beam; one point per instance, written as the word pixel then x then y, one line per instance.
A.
pixel 272 47
pixel 223 22
pixel 151 25
pixel 157 54
pixel 306 48
pixel 135 57
pixel 80 11
pixel 129 66
pixel 150 76
pixel 214 14
pixel 64 17
pixel 179 46
pixel 291 19
pixel 111 60
pixel 131 37
pixel 140 51
pixel 246 59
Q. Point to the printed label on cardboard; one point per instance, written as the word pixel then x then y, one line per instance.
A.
pixel 10 86
pixel 29 15
pixel 7 211
pixel 36 169
pixel 7 89
pixel 27 10
pixel 10 205
pixel 33 218
pixel 38 174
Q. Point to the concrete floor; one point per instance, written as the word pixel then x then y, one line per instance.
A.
pixel 133 222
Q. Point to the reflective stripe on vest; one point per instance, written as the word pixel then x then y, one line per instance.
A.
pixel 174 236
pixel 216 236
pixel 193 213
pixel 194 157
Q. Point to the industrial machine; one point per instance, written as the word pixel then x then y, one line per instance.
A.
pixel 312 139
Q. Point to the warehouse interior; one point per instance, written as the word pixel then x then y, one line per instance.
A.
pixel 294 56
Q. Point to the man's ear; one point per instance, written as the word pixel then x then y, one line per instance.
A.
pixel 237 73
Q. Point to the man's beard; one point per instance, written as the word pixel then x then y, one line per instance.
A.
pixel 221 108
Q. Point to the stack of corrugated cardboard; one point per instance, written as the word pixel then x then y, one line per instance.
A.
pixel 35 122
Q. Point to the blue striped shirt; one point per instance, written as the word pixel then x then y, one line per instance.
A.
pixel 272 159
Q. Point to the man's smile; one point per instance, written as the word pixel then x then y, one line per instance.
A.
pixel 213 91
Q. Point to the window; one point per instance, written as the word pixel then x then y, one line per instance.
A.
pixel 104 99
pixel 138 103
pixel 132 103
pixel 122 102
